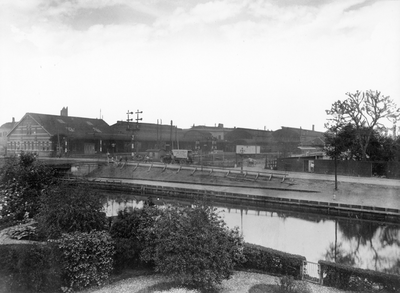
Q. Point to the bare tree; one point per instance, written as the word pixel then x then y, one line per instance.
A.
pixel 365 110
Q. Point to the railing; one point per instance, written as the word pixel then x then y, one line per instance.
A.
pixel 312 272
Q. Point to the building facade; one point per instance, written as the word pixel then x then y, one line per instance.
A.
pixel 53 135
pixel 4 131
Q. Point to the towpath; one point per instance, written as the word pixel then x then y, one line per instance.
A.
pixel 389 198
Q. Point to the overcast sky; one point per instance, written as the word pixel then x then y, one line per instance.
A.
pixel 245 63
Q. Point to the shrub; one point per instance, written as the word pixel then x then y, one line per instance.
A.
pixel 272 261
pixel 194 246
pixel 24 232
pixel 30 268
pixel 130 231
pixel 22 181
pixel 286 284
pixel 87 258
pixel 350 278
pixel 66 208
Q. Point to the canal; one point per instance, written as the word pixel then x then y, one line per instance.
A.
pixel 359 243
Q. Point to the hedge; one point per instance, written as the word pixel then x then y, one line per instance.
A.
pixel 87 258
pixel 272 261
pixel 349 278
pixel 29 268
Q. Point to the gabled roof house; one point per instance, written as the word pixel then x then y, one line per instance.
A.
pixel 59 135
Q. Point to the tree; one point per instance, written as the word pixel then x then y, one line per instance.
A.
pixel 364 110
pixel 342 144
pixel 345 146
pixel 22 181
pixel 131 230
pixel 194 246
pixel 66 208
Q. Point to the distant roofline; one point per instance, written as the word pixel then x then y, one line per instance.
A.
pixel 31 113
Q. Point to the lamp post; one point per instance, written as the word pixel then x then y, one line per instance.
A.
pixel 241 164
pixel 336 159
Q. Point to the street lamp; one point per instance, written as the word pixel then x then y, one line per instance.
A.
pixel 241 164
pixel 336 159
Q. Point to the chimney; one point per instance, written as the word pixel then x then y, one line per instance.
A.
pixel 64 112
pixel 313 127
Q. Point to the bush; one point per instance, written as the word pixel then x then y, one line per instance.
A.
pixel 87 258
pixel 194 246
pixel 30 268
pixel 130 231
pixel 66 208
pixel 272 261
pixel 22 181
pixel 286 284
pixel 350 278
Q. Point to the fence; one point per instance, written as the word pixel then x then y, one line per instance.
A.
pixel 348 168
pixel 312 272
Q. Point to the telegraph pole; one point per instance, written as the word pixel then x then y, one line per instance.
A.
pixel 132 135
pixel 137 118
pixel 137 125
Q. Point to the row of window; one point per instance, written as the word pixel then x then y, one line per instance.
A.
pixel 30 145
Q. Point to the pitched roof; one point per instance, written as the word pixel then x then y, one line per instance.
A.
pixel 147 131
pixel 8 125
pixel 77 127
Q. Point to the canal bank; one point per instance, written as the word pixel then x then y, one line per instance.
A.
pixel 354 198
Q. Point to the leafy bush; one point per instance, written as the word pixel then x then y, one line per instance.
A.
pixel 24 232
pixel 194 246
pixel 272 261
pixel 30 268
pixel 22 181
pixel 350 278
pixel 87 258
pixel 286 284
pixel 67 208
pixel 130 231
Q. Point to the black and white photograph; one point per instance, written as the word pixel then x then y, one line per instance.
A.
pixel 194 146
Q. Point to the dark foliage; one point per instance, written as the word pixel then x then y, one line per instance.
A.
pixel 67 208
pixel 22 181
pixel 130 231
pixel 193 245
pixel 345 144
pixel 349 278
pixel 272 261
pixel 87 258
pixel 30 268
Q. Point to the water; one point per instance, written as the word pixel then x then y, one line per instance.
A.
pixel 364 244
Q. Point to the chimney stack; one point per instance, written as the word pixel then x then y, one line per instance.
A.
pixel 313 127
pixel 64 112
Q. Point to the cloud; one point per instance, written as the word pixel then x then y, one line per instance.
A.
pixel 217 56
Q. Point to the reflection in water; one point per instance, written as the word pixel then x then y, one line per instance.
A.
pixel 363 244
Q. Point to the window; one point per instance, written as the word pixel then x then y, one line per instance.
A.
pixel 89 123
pixel 28 129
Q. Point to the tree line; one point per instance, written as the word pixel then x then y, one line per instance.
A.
pixel 356 129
